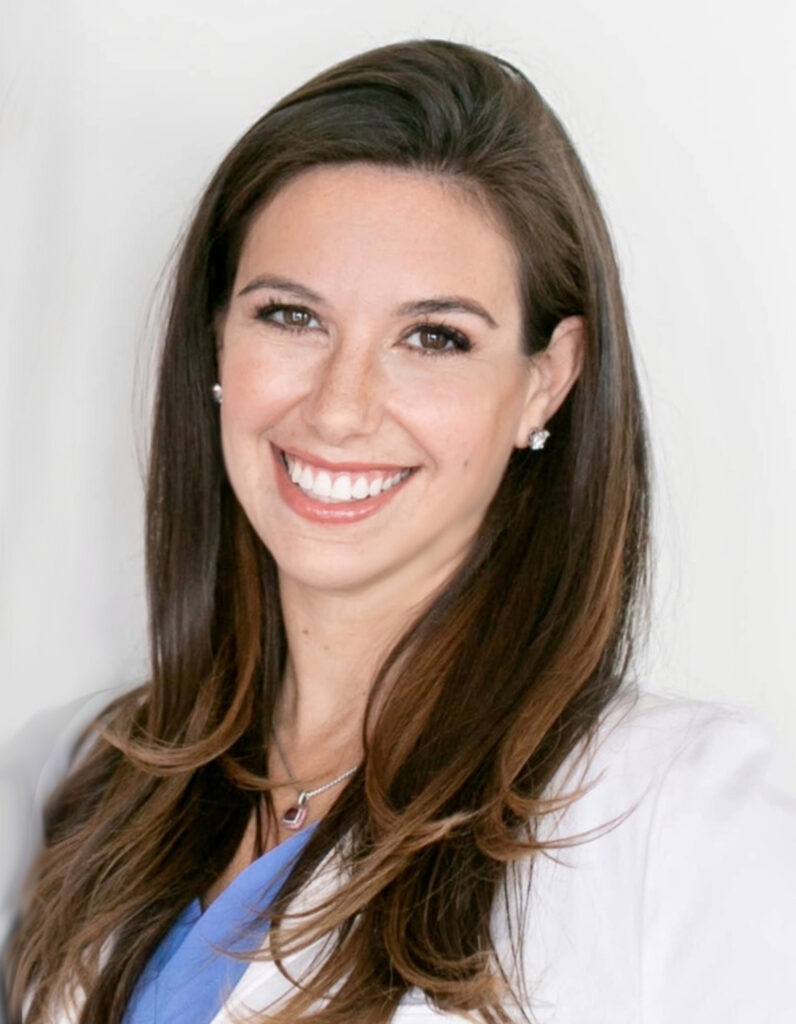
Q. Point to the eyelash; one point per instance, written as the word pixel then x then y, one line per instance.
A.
pixel 459 340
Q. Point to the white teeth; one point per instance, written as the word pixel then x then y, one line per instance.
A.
pixel 319 483
pixel 360 488
pixel 323 485
pixel 342 488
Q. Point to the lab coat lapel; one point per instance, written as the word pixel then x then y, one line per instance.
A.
pixel 262 983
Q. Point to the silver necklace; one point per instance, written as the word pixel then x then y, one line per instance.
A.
pixel 295 816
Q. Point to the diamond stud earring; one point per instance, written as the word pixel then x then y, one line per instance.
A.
pixel 537 438
pixel 217 392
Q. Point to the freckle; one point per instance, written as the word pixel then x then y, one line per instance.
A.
pixel 466 464
pixel 305 632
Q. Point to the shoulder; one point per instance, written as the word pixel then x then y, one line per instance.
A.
pixel 46 741
pixel 31 767
pixel 678 773
pixel 676 865
pixel 719 886
pixel 650 744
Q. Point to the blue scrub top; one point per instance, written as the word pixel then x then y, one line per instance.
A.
pixel 188 979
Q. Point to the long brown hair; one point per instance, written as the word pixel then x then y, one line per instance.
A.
pixel 491 688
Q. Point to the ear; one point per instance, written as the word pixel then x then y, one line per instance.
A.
pixel 555 369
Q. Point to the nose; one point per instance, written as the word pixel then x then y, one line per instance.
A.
pixel 346 399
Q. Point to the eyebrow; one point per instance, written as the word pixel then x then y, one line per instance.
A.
pixel 437 304
pixel 446 304
pixel 282 284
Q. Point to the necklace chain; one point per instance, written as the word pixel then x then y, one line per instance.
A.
pixel 306 794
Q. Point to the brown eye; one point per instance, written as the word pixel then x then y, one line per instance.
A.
pixel 297 318
pixel 435 340
pixel 293 318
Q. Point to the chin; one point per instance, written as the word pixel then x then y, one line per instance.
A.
pixel 330 574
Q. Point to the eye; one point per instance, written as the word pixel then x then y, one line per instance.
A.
pixel 439 340
pixel 292 318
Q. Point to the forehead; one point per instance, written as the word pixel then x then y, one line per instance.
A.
pixel 384 229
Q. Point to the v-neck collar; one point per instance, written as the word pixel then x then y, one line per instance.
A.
pixel 189 976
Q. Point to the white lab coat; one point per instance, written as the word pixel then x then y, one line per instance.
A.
pixel 683 913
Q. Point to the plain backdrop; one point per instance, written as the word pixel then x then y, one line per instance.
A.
pixel 114 114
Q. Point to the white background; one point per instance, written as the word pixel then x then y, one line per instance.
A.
pixel 114 114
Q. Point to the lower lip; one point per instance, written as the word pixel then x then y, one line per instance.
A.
pixel 332 512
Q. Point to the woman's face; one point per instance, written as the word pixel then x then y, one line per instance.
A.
pixel 373 380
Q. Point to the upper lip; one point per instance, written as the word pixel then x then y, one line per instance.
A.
pixel 342 467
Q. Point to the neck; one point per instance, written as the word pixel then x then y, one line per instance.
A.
pixel 336 642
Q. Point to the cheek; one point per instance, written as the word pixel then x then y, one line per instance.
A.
pixel 466 426
pixel 256 396
pixel 256 392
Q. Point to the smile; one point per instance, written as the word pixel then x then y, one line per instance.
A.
pixel 324 493
pixel 334 488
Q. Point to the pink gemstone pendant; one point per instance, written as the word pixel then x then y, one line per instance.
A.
pixel 295 816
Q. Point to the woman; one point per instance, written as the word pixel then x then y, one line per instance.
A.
pixel 391 761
